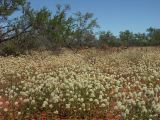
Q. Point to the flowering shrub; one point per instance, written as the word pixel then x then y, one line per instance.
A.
pixel 89 84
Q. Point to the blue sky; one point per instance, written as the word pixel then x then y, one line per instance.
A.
pixel 113 15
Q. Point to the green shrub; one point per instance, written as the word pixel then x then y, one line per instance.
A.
pixel 8 49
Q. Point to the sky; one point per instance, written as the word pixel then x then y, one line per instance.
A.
pixel 113 15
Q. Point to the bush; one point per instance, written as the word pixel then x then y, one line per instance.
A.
pixel 8 49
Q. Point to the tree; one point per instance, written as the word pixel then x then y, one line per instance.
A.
pixel 26 31
pixel 140 39
pixel 108 38
pixel 154 36
pixel 7 7
pixel 90 39
pixel 84 23
pixel 59 28
pixel 32 24
pixel 41 20
pixel 126 37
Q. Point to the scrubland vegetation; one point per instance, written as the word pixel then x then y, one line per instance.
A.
pixel 54 66
pixel 45 30
pixel 89 84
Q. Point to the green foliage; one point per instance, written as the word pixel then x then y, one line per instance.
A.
pixel 109 39
pixel 126 37
pixel 41 20
pixel 59 27
pixel 7 7
pixel 154 36
pixel 140 39
pixel 84 24
pixel 8 49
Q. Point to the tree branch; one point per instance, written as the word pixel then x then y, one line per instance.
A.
pixel 10 38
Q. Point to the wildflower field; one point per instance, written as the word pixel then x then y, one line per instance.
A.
pixel 91 84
